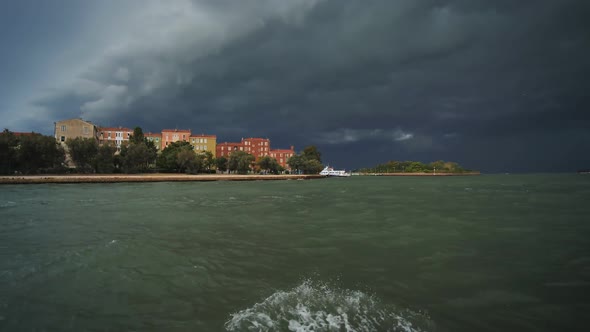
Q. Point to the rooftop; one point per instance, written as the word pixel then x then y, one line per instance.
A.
pixel 114 129
pixel 203 135
pixel 177 130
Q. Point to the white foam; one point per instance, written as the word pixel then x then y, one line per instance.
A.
pixel 314 306
pixel 7 204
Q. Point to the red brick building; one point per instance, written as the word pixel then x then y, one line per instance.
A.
pixel 282 156
pixel 226 148
pixel 258 147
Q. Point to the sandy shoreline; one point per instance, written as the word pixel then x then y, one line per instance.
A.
pixel 112 178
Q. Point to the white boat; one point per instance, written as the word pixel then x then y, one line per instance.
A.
pixel 329 171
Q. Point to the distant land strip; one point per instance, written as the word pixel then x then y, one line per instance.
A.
pixel 113 178
pixel 420 174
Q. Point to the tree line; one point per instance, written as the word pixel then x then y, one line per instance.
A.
pixel 439 166
pixel 29 154
pixel 36 154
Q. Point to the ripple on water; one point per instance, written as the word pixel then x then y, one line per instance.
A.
pixel 315 306
pixel 7 204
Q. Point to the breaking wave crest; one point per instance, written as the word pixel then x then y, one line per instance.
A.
pixel 7 204
pixel 314 306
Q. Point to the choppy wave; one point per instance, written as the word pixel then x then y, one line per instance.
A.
pixel 7 204
pixel 314 306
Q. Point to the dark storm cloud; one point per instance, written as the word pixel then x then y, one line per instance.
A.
pixel 411 79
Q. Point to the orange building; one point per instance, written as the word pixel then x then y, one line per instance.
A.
pixel 174 135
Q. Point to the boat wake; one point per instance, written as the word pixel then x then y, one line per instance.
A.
pixel 314 306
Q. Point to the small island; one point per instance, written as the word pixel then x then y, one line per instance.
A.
pixel 416 168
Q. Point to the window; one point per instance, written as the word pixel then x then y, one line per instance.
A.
pixel 63 128
pixel 109 134
pixel 63 138
pixel 128 135
pixel 183 137
pixel 205 140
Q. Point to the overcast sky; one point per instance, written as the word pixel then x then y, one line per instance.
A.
pixel 499 86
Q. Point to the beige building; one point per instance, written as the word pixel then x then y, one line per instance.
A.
pixel 74 128
pixel 154 138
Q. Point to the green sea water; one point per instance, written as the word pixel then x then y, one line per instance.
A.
pixel 484 253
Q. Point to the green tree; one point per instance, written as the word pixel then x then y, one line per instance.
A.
pixel 269 165
pixel 208 160
pixel 312 166
pixel 221 164
pixel 136 158
pixel 188 161
pixel 139 154
pixel 82 152
pixel 37 153
pixel 8 146
pixel 137 136
pixel 105 159
pixel 416 167
pixel 168 158
pixel 240 162
pixel 308 161
pixel 296 162
pixel 311 153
